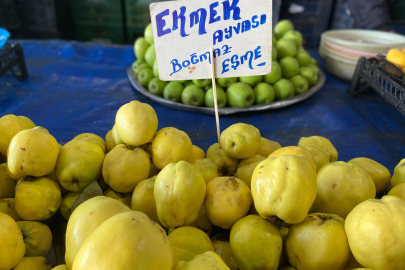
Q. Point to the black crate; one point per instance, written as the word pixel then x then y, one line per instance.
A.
pixel 100 34
pixel 38 19
pixel 98 13
pixel 100 21
pixel 137 17
pixel 8 15
pixel 397 11
pixel 312 21
pixel 9 18
pixel 12 61
pixel 383 77
pixel 38 16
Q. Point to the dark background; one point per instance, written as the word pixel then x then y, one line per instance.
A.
pixel 121 21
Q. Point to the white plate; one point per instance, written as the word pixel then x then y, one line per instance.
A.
pixel 365 40
pixel 338 66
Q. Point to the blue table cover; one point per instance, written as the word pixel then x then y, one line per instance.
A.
pixel 76 87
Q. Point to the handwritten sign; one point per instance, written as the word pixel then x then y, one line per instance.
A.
pixel 239 31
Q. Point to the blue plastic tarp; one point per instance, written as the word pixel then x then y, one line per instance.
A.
pixel 77 87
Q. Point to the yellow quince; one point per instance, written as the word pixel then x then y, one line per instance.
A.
pixel 240 140
pixel 144 245
pixel 37 198
pixel 227 200
pixel 32 152
pixel 124 167
pixel 179 193
pixel 37 238
pixel 256 243
pixel 375 230
pixel 170 145
pixel 380 174
pixel 12 246
pixel 136 123
pixel 10 125
pixel 341 186
pixel 319 242
pixel 226 165
pixel 188 242
pixel 267 147
pixel 323 144
pixel 284 188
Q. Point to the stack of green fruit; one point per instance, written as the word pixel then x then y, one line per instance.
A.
pixel 293 72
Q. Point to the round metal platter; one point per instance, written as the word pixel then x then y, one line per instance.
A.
pixel 227 110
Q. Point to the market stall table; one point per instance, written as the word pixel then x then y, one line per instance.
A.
pixel 75 87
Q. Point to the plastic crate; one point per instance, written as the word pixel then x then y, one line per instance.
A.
pixel 10 19
pixel 38 15
pixel 100 34
pixel 97 16
pixel 8 15
pixel 310 17
pixel 97 12
pixel 137 17
pixel 341 17
pixel 100 21
pixel 12 61
pixel 132 33
pixel 93 3
pixel 398 11
pixel 377 74
pixel 137 13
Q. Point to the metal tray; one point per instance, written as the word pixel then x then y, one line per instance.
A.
pixel 227 110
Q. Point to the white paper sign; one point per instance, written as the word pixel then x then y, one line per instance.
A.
pixel 239 31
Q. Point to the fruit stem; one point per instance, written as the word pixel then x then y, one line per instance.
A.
pixel 324 217
pixel 276 221
pixel 232 182
pixel 131 147
pixel 30 178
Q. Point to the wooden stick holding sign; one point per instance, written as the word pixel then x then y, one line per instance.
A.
pixel 214 89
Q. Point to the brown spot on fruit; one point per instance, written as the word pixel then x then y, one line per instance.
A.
pixel 334 185
pixel 23 148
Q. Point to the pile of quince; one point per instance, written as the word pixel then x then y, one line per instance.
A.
pixel 247 203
